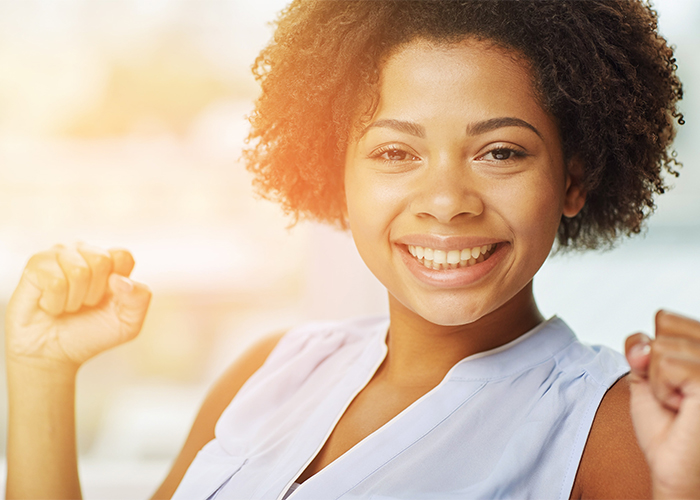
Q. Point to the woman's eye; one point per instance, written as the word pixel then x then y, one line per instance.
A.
pixel 503 154
pixel 394 154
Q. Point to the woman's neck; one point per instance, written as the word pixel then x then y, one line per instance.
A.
pixel 421 353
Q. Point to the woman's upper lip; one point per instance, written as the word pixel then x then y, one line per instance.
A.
pixel 441 242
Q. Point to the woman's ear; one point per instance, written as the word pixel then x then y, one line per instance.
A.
pixel 575 196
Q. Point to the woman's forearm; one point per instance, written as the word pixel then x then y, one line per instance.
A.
pixel 70 304
pixel 41 447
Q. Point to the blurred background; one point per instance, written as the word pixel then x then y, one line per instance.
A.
pixel 121 124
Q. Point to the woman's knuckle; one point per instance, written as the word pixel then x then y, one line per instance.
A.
pixel 38 259
pixel 57 284
pixel 102 263
pixel 80 273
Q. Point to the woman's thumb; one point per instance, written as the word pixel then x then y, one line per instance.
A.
pixel 638 353
pixel 131 298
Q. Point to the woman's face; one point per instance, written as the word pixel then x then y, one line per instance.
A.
pixel 456 185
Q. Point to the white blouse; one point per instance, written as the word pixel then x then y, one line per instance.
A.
pixel 508 423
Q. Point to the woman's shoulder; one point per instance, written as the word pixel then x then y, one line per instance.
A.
pixel 329 338
pixel 601 365
pixel 352 328
pixel 316 338
pixel 612 465
pixel 218 398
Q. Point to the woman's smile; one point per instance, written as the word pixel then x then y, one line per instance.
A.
pixel 449 262
pixel 456 185
pixel 433 258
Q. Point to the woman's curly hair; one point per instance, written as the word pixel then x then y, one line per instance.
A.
pixel 600 68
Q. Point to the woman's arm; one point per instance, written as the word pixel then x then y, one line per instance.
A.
pixel 70 304
pixel 41 453
pixel 612 465
pixel 219 397
pixel 645 439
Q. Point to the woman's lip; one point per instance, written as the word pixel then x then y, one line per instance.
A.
pixel 452 278
pixel 437 242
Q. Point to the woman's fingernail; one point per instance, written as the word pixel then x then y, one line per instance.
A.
pixel 122 284
pixel 641 349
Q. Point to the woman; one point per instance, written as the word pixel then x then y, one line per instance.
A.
pixel 457 141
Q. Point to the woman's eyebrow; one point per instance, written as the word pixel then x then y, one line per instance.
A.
pixel 402 126
pixel 495 123
pixel 477 128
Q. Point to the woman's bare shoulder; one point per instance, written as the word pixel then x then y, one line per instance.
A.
pixel 216 401
pixel 242 368
pixel 612 465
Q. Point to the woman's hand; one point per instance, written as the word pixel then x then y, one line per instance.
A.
pixel 665 404
pixel 73 303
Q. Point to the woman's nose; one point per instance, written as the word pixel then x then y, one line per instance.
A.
pixel 446 191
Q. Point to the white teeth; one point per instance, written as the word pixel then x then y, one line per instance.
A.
pixel 453 257
pixel 450 259
pixel 439 256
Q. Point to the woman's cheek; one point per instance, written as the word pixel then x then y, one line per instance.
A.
pixel 532 210
pixel 375 199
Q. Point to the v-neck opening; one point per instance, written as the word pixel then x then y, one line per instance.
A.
pixel 379 341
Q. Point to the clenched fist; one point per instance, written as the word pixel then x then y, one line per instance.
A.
pixel 73 303
pixel 665 385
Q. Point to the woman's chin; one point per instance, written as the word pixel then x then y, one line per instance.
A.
pixel 446 315
pixel 452 319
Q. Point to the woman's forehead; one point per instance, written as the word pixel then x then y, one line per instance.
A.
pixel 471 76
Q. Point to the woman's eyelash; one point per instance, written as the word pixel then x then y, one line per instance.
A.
pixel 393 154
pixel 504 153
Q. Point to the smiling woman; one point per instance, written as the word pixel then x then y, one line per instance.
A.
pixel 457 141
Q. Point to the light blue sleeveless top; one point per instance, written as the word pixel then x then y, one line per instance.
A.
pixel 507 423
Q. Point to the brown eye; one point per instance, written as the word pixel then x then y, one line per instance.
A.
pixel 393 155
pixel 396 155
pixel 502 154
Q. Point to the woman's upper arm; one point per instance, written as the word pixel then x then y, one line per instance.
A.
pixel 218 398
pixel 612 465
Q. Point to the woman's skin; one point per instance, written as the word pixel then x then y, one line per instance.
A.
pixel 70 304
pixel 459 154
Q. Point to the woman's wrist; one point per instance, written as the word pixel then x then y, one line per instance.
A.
pixel 41 429
pixel 29 371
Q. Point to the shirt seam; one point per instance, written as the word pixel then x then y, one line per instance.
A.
pixel 551 357
pixel 393 457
